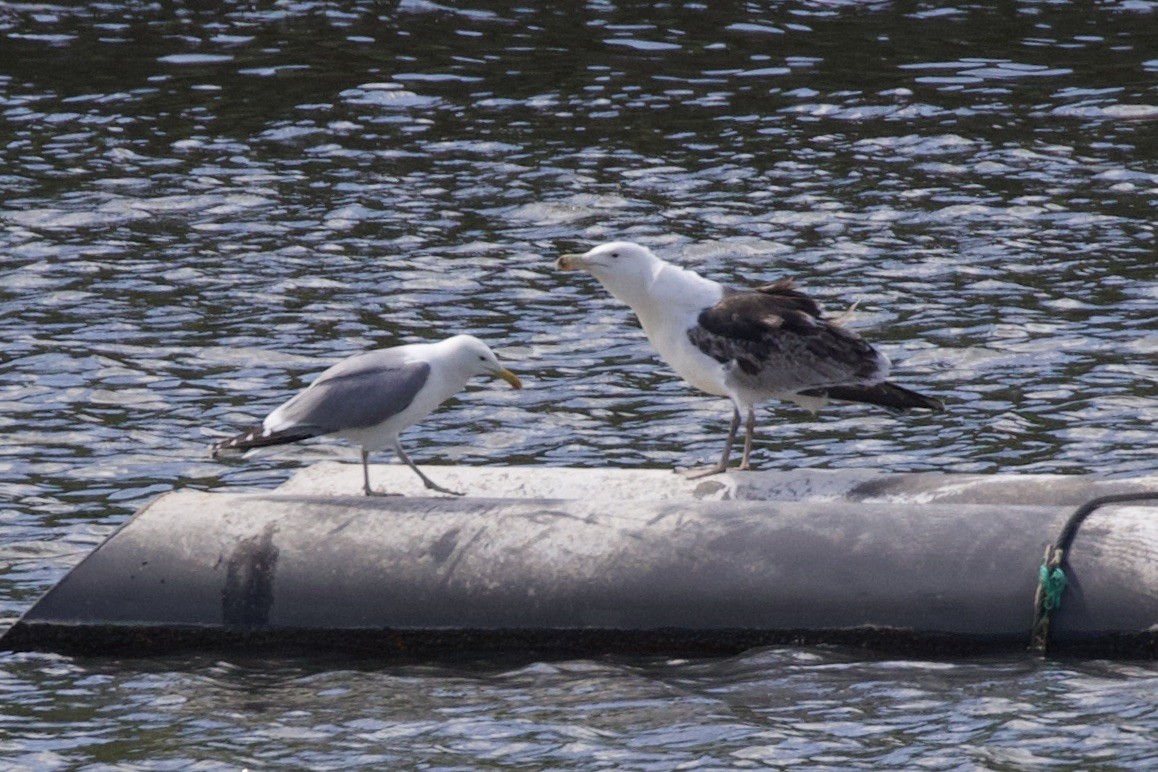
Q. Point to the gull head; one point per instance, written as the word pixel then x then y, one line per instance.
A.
pixel 618 265
pixel 473 357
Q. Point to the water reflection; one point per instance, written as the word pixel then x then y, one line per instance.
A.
pixel 811 707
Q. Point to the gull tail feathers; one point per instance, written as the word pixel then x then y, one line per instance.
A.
pixel 885 394
pixel 258 438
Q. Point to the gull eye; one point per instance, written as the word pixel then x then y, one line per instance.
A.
pixel 615 254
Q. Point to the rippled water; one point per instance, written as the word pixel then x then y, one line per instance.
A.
pixel 781 708
pixel 205 204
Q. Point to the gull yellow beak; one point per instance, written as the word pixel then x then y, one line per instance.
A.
pixel 510 378
pixel 569 262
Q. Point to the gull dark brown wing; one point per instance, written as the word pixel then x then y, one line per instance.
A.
pixel 886 394
pixel 776 342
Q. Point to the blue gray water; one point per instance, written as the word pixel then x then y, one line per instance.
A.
pixel 203 205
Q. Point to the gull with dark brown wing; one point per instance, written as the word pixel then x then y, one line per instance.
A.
pixel 770 342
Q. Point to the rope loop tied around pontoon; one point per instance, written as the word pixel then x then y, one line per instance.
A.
pixel 1051 575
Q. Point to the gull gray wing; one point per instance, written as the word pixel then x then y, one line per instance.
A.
pixel 356 393
pixel 774 341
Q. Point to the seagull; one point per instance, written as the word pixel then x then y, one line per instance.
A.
pixel 749 345
pixel 370 398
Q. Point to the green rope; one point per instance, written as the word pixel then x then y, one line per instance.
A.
pixel 1053 584
pixel 1051 577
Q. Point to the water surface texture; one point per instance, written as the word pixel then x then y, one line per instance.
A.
pixel 205 204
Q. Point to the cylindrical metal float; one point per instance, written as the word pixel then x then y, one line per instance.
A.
pixel 571 561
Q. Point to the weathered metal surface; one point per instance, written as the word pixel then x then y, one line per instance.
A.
pixel 612 561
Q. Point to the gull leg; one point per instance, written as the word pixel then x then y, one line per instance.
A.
pixel 722 465
pixel 751 429
pixel 366 473
pixel 366 478
pixel 425 480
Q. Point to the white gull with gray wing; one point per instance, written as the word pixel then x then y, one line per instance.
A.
pixel 368 399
